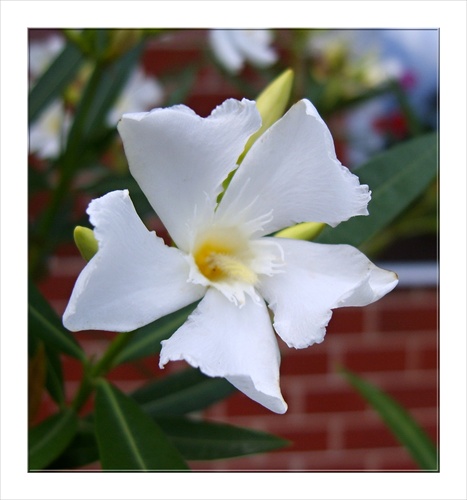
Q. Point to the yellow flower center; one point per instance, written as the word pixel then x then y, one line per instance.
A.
pixel 224 256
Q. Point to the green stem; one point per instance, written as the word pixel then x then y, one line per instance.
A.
pixel 107 360
pixel 69 163
pixel 93 372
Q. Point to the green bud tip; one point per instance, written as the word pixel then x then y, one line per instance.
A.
pixel 305 231
pixel 271 104
pixel 86 242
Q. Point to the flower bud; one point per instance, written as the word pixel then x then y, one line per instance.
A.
pixel 86 242
pixel 305 231
pixel 271 104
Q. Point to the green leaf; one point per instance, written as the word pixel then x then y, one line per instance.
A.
pixel 81 451
pixel 181 393
pixel 43 323
pixel 54 81
pixel 401 424
pixel 214 441
pixel 53 368
pixel 48 439
pixel 54 377
pixel 127 438
pixel 396 178
pixel 102 91
pixel 147 340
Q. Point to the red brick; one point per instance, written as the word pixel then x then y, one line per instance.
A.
pixel 304 361
pixel 375 359
pixel 72 369
pixel 413 318
pixel 398 459
pixel 428 358
pixel 334 401
pixel 57 287
pixel 342 460
pixel 416 397
pixel 304 440
pixel 369 436
pixel 346 320
pixel 162 61
pixel 299 461
pixel 239 404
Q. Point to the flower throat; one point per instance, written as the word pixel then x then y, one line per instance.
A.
pixel 221 257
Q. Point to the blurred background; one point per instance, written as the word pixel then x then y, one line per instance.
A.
pixel 374 89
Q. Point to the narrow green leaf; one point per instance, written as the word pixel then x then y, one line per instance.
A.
pixel 37 370
pixel 81 451
pixel 181 393
pixel 54 81
pixel 103 89
pixel 213 441
pixel 48 439
pixel 401 424
pixel 43 323
pixel 147 340
pixel 396 178
pixel 53 366
pixel 89 128
pixel 54 376
pixel 127 438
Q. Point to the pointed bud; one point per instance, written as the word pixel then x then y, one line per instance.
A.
pixel 305 231
pixel 271 104
pixel 86 242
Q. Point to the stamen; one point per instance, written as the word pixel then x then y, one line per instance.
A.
pixel 227 266
pixel 224 256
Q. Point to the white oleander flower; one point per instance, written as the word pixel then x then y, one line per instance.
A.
pixel 48 131
pixel 42 53
pixel 224 254
pixel 140 93
pixel 233 48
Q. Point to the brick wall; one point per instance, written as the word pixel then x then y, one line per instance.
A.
pixel 393 343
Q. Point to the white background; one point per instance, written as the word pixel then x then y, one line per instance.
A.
pixel 16 18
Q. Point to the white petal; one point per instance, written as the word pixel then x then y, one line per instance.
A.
pixel 239 344
pixel 133 279
pixel 292 170
pixel 254 44
pixel 316 279
pixel 180 159
pixel 225 50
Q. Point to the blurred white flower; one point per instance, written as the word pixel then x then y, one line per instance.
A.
pixel 42 53
pixel 140 93
pixel 234 48
pixel 409 56
pixel 361 51
pixel 48 131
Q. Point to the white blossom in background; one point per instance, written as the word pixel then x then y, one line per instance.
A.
pixel 406 55
pixel 223 255
pixel 234 48
pixel 416 51
pixel 42 53
pixel 47 133
pixel 140 93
